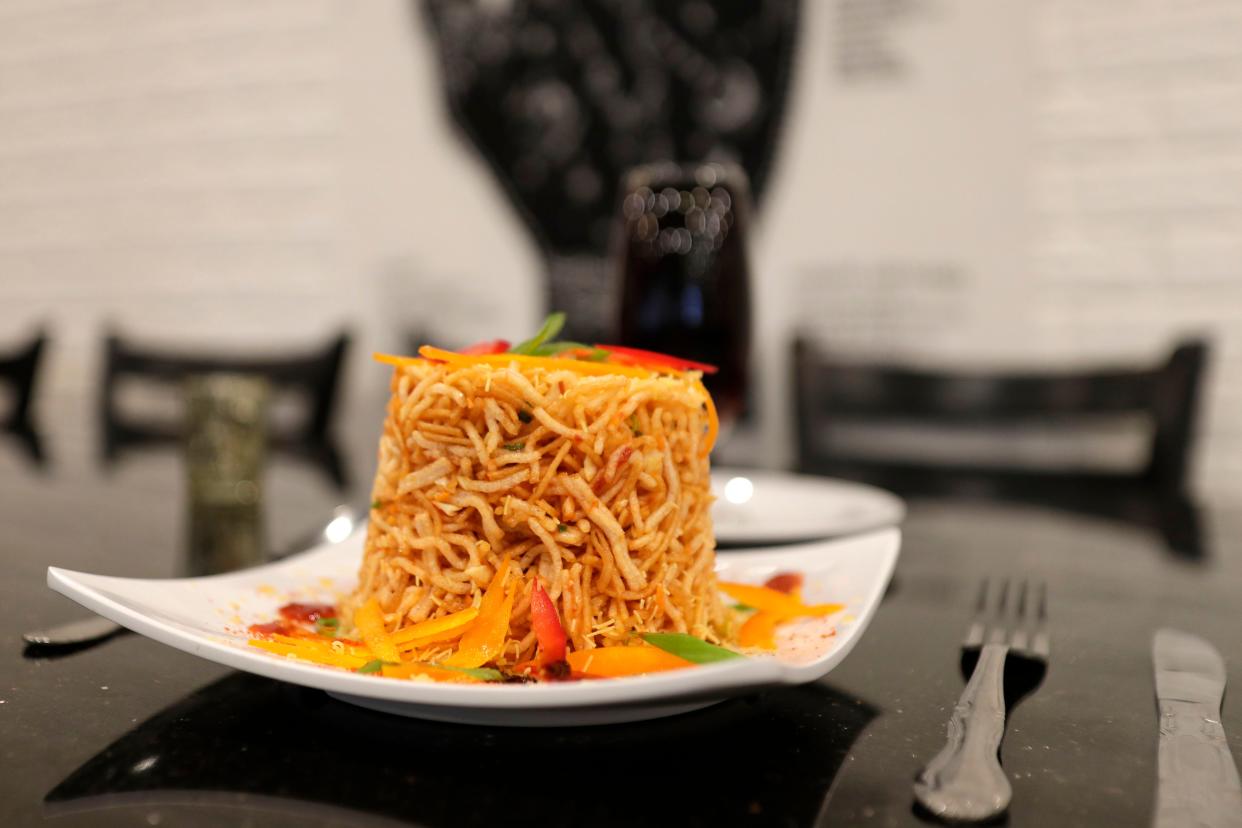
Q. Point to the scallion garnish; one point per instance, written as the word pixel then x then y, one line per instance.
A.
pixel 689 647
pixel 372 666
pixel 514 446
pixel 560 346
pixel 327 626
pixel 551 327
pixel 562 527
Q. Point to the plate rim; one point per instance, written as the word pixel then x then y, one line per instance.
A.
pixel 895 507
pixel 719 679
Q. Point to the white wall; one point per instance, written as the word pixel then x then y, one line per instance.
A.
pixel 1037 182
pixel 1052 182
pixel 261 171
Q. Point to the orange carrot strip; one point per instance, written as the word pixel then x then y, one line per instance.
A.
pixel 760 630
pixel 311 654
pixel 762 598
pixel 611 662
pixel 435 629
pixel 405 671
pixel 369 619
pixel 483 640
pixel 321 645
pixel 395 360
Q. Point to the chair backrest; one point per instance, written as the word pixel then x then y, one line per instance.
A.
pixel 314 375
pixel 829 393
pixel 20 370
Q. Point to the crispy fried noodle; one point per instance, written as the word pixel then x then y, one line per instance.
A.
pixel 596 483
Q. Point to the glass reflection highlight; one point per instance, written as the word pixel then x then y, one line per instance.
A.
pixel 739 490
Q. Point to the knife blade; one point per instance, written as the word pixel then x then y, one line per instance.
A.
pixel 1197 780
pixel 73 633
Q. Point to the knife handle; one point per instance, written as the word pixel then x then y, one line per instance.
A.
pixel 965 780
pixel 1198 778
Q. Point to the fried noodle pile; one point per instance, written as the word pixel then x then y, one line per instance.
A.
pixel 596 483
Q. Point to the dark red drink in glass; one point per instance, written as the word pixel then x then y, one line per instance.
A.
pixel 684 273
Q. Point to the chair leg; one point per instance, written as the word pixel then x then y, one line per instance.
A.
pixel 30 441
pixel 1181 527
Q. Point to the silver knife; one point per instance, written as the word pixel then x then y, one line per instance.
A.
pixel 1197 780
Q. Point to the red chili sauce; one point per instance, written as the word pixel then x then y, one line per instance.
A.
pixel 296 619
pixel 307 613
pixel 785 582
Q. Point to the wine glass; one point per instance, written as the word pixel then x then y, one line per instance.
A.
pixel 683 271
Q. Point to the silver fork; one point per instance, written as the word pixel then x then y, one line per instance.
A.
pixel 1006 647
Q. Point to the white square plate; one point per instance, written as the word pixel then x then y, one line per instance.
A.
pixel 754 507
pixel 207 617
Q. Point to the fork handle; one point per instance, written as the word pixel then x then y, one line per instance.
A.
pixel 965 781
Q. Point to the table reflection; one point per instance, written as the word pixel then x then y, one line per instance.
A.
pixel 769 759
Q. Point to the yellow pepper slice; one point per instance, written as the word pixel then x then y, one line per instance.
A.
pixel 369 620
pixel 321 645
pixel 611 662
pixel 487 639
pixel 307 652
pixel 395 360
pixel 771 600
pixel 434 629
pixel 484 639
pixel 760 630
pixel 406 671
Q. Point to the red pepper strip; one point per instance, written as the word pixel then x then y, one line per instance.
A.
pixel 488 346
pixel 648 358
pixel 526 668
pixel 547 624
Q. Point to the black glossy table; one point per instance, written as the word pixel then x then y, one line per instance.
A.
pixel 134 733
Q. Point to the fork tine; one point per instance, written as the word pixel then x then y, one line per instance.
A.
pixel 1041 644
pixel 1019 639
pixel 998 617
pixel 978 623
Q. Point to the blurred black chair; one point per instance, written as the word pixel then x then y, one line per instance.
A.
pixel 20 370
pixel 830 395
pixel 312 376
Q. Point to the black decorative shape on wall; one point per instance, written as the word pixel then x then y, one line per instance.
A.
pixel 562 96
